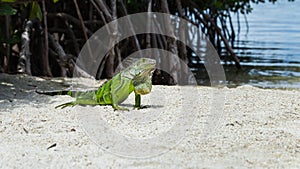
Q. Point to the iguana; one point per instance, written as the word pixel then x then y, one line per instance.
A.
pixel 136 78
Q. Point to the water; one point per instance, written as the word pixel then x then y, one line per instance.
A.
pixel 270 51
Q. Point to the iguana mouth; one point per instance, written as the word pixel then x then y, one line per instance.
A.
pixel 149 68
pixel 149 72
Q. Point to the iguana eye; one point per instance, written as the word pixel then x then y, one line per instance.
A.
pixel 138 72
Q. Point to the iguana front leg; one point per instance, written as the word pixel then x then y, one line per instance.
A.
pixel 137 100
pixel 141 89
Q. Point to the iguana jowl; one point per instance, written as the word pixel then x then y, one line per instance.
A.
pixel 135 78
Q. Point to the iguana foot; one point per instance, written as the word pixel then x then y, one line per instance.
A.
pixel 140 107
pixel 120 108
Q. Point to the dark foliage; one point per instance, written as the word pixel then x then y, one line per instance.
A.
pixel 44 38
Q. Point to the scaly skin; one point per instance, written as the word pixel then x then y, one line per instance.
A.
pixel 136 78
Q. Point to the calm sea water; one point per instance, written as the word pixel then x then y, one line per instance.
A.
pixel 270 50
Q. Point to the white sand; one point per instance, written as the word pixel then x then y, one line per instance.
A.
pixel 257 128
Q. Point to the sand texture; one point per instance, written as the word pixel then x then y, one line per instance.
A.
pixel 180 127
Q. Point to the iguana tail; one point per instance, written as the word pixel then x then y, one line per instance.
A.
pixel 53 93
pixel 82 97
pixel 66 105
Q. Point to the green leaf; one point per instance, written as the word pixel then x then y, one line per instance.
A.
pixel 25 4
pixel 36 11
pixel 10 1
pixel 6 9
pixel 54 1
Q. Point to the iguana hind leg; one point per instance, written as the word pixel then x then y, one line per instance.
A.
pixel 115 104
pixel 116 107
pixel 86 98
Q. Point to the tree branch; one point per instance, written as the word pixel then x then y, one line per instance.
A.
pixel 229 49
pixel 46 50
pixel 24 65
pixel 81 20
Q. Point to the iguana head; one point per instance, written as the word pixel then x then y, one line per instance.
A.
pixel 143 70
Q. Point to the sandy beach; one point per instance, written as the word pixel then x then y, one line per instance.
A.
pixel 180 127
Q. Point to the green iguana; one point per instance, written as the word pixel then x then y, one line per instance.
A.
pixel 135 78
